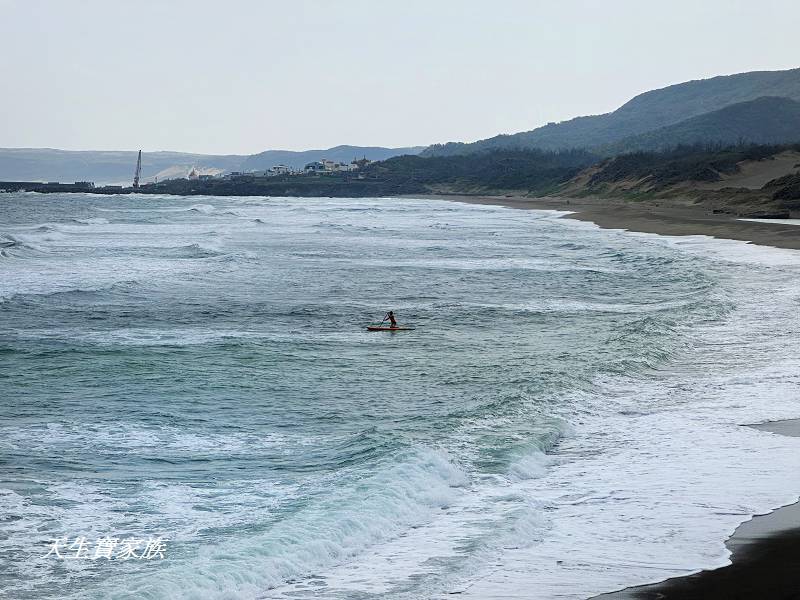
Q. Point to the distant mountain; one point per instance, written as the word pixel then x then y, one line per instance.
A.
pixel 646 112
pixel 767 120
pixel 46 164
pixel 298 160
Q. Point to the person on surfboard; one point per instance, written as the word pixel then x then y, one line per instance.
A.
pixel 392 321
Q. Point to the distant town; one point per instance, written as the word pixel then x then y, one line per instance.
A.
pixel 236 180
pixel 321 167
pixel 317 167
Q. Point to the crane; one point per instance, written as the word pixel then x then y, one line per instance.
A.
pixel 138 171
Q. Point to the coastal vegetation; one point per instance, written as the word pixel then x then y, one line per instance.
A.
pixel 521 171
pixel 535 171
pixel 766 120
pixel 705 172
pixel 682 164
pixel 786 189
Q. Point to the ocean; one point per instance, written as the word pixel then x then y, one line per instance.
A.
pixel 564 420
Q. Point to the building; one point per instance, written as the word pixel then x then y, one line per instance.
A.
pixel 279 170
pixel 315 167
pixel 238 175
pixel 361 163
pixel 205 177
pixel 327 166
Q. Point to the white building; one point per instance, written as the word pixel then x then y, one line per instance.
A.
pixel 327 166
pixel 279 170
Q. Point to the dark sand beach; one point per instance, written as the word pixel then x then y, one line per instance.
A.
pixel 765 551
pixel 658 217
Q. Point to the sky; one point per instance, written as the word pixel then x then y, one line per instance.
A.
pixel 243 76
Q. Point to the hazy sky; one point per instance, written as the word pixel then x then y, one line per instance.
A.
pixel 239 76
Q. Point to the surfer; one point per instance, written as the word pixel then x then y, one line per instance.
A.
pixel 392 326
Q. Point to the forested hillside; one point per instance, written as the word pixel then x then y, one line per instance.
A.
pixel 644 113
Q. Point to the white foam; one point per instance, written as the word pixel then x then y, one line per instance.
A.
pixel 206 209
pixel 774 221
pixel 654 475
pixel 93 221
pixel 329 531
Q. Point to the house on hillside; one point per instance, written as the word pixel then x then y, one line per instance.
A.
pixel 327 166
pixel 360 163
pixel 278 170
pixel 315 167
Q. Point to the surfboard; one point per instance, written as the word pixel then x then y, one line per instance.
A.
pixel 381 328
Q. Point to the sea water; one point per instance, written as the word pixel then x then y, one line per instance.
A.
pixel 564 420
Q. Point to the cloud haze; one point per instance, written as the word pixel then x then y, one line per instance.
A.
pixel 242 76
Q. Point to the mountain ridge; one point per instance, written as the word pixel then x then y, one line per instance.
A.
pixel 117 166
pixel 644 112
pixel 341 153
pixel 765 120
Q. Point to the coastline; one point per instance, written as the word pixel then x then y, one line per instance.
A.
pixel 764 548
pixel 520 221
pixel 659 217
pixel 764 553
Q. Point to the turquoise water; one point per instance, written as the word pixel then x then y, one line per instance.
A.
pixel 198 369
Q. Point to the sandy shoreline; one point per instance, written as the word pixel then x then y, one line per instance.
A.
pixel 764 550
pixel 652 217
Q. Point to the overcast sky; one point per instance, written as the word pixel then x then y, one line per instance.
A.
pixel 241 76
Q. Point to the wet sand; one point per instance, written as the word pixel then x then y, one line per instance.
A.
pixel 659 217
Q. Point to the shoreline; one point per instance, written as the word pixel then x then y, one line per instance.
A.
pixel 764 553
pixel 658 217
pixel 763 548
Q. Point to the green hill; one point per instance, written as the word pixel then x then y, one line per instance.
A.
pixel 767 120
pixel 529 170
pixel 646 112
pixel 654 171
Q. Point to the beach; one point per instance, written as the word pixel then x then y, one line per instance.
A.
pixel 660 217
pixel 400 301
pixel 764 553
pixel 566 418
pixel 764 550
